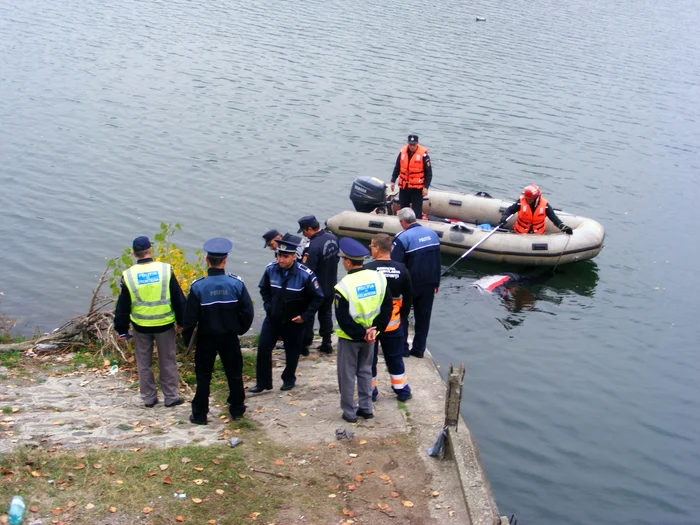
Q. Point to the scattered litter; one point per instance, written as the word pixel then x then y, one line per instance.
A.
pixel 341 433
pixel 234 441
pixel 113 369
pixel 44 347
pixel 180 496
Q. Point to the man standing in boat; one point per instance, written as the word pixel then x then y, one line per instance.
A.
pixel 533 210
pixel 418 248
pixel 414 174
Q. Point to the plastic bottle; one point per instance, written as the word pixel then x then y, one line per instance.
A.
pixel 16 513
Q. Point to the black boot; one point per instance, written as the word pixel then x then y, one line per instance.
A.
pixel 326 347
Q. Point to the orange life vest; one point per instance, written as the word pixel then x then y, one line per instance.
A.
pixel 395 321
pixel 530 221
pixel 411 174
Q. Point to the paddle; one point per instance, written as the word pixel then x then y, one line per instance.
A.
pixel 470 250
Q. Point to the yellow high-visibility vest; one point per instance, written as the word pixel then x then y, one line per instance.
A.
pixel 149 286
pixel 364 291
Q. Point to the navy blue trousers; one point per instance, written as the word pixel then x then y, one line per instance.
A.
pixel 325 322
pixel 292 335
pixel 423 298
pixel 392 348
pixel 229 350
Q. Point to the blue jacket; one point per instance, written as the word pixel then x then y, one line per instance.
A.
pixel 220 303
pixel 418 248
pixel 288 293
pixel 321 257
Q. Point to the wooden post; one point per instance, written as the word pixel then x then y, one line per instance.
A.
pixel 453 399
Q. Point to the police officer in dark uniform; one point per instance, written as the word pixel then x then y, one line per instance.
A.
pixel 418 247
pixel 291 296
pixel 220 307
pixel 271 237
pixel 321 257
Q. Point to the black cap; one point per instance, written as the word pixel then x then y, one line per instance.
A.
pixel 218 247
pixel 270 235
pixel 307 221
pixel 141 243
pixel 413 139
pixel 288 245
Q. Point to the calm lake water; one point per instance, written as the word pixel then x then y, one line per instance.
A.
pixel 232 118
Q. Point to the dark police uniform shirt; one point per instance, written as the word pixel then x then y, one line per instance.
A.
pixel 287 293
pixel 418 248
pixel 399 280
pixel 321 257
pixel 220 303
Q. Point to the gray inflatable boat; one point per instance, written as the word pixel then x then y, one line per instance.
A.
pixel 456 218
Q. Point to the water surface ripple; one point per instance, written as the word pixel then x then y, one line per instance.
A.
pixel 232 118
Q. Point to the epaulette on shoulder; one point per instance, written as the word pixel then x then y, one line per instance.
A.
pixel 235 276
pixel 270 264
pixel 305 268
pixel 196 281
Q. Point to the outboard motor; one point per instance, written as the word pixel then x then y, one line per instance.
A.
pixel 368 194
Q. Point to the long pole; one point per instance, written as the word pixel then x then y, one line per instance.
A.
pixel 470 250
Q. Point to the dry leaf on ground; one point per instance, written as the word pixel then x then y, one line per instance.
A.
pixel 395 494
pixel 219 492
pixel 163 467
pixel 179 519
pixel 279 462
pixel 185 460
pixel 113 509
pixel 407 503
pixel 197 500
pixel 147 510
pixel 167 480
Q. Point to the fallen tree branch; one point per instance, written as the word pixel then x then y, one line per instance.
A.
pixel 276 474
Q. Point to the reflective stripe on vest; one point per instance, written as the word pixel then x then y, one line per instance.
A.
pixel 395 315
pixel 149 287
pixel 529 222
pixel 411 174
pixel 364 290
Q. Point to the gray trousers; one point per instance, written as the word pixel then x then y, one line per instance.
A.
pixel 167 363
pixel 355 361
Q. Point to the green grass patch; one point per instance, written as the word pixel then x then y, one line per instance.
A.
pixel 243 424
pixel 402 406
pixel 11 359
pixel 216 480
